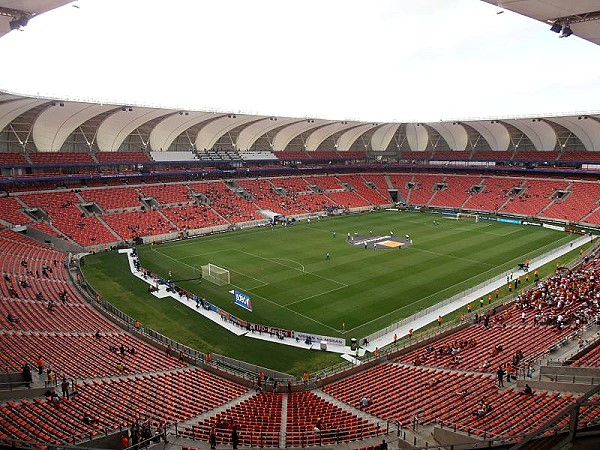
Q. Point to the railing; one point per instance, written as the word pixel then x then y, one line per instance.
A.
pixel 391 348
pixel 470 431
pixel 247 370
pixel 307 438
pixel 573 379
pixel 10 385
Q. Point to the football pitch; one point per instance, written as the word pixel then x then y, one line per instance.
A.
pixel 292 285
pixel 356 290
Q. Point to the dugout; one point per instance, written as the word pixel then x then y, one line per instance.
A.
pixel 272 216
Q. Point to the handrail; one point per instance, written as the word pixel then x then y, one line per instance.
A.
pixel 308 437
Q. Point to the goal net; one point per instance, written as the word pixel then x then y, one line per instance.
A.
pixel 468 216
pixel 215 274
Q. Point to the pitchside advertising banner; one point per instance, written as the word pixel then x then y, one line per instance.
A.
pixel 316 338
pixel 242 300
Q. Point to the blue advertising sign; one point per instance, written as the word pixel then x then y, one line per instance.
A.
pixel 242 300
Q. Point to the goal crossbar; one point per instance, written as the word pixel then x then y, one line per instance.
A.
pixel 468 216
pixel 215 274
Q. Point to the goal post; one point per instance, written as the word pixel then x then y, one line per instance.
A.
pixel 215 274
pixel 467 216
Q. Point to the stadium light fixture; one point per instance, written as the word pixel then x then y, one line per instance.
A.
pixel 556 27
pixel 19 22
pixel 566 32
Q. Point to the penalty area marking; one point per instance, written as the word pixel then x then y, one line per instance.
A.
pixel 293 268
pixel 283 259
pixel 257 295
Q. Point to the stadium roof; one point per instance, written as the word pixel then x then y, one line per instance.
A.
pixel 582 16
pixel 14 10
pixel 47 124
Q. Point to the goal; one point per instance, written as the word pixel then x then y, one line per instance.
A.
pixel 468 216
pixel 215 274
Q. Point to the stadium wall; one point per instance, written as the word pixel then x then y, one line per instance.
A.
pixel 447 437
pixel 58 243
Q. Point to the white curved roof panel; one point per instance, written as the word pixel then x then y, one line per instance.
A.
pixel 319 135
pixel 212 132
pixel 417 137
pixel 9 111
pixel 587 130
pixel 287 134
pixel 383 135
pixel 168 129
pixel 113 131
pixel 348 138
pixel 493 132
pixel 54 125
pixel 453 133
pixel 541 135
pixel 249 135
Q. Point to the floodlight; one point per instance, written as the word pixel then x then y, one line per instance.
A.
pixel 566 31
pixel 19 22
pixel 556 27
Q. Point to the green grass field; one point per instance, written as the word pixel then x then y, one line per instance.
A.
pixel 292 285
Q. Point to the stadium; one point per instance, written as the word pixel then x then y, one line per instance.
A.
pixel 186 278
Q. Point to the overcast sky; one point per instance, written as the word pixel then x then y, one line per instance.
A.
pixel 374 60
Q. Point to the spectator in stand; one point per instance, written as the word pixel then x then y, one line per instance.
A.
pixel 364 402
pixel 508 371
pixel 64 386
pixel 500 373
pixel 124 441
pixel 527 390
pixel 89 420
pixel 12 319
pixel 40 365
pixel 55 399
pixel 319 424
pixel 434 381
pixel 235 438
pixel 212 438
pixel 463 393
pixel 484 408
pixel 27 379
